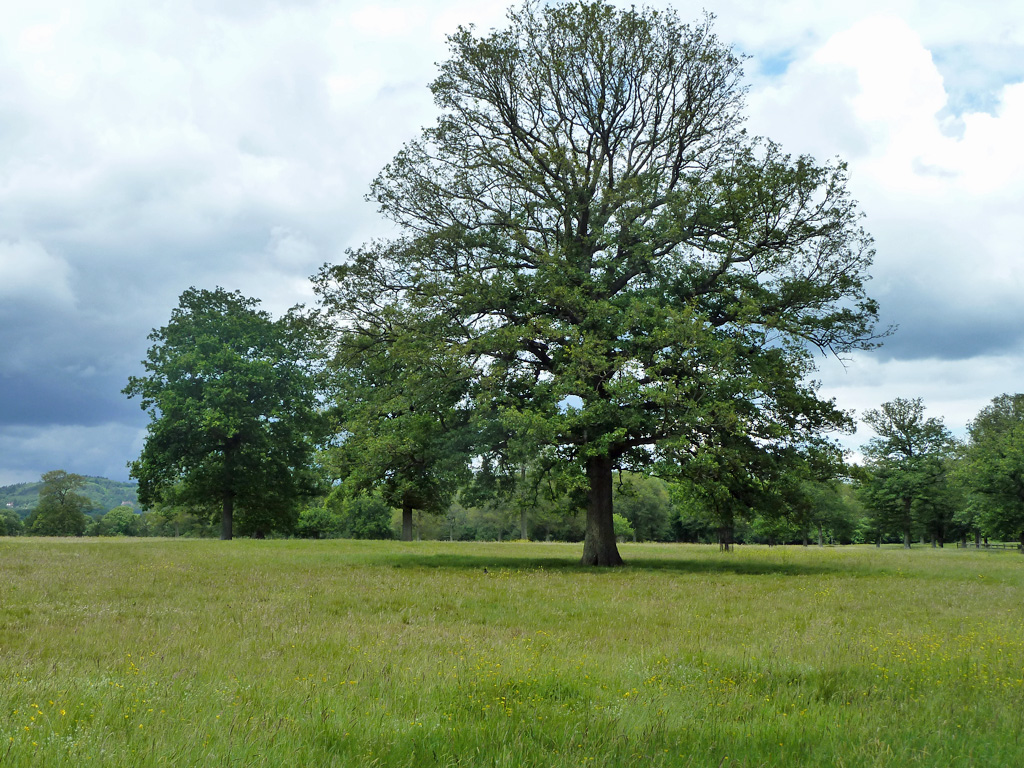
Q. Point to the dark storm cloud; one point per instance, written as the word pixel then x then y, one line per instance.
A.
pixel 57 397
pixel 939 326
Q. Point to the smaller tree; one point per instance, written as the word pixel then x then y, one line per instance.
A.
pixel 623 529
pixel 61 511
pixel 318 522
pixel 907 466
pixel 10 523
pixel 994 466
pixel 363 516
pixel 401 413
pixel 234 415
pixel 120 521
pixel 646 503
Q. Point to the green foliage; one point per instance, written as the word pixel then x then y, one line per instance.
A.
pixel 120 521
pixel 628 275
pixel 233 412
pixel 623 530
pixel 401 413
pixel 646 503
pixel 102 492
pixel 993 469
pixel 318 523
pixel 176 519
pixel 364 516
pixel 61 511
pixel 342 515
pixel 10 523
pixel 907 486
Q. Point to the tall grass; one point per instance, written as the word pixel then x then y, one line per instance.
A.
pixel 249 653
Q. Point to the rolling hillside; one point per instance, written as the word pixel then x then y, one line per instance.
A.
pixel 105 494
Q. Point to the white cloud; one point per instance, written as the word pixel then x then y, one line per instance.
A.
pixel 943 205
pixel 30 275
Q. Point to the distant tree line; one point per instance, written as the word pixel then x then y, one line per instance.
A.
pixel 917 484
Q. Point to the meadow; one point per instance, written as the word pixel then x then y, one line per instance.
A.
pixel 342 653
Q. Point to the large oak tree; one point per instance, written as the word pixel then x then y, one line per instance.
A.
pixel 627 271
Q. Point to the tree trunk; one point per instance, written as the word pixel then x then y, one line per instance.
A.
pixel 821 536
pixel 406 521
pixel 977 539
pixel 524 532
pixel 599 544
pixel 725 538
pixel 1022 541
pixel 227 514
pixel 906 523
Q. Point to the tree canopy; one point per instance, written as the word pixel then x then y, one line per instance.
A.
pixel 234 414
pixel 61 510
pixel 631 277
pixel 994 465
pixel 907 464
pixel 399 406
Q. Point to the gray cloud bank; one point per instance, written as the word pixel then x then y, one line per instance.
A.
pixel 147 149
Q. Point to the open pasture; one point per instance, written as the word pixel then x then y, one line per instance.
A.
pixel 339 653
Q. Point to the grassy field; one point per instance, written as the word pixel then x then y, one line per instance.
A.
pixel 289 653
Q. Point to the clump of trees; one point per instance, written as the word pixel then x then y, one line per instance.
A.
pixel 918 481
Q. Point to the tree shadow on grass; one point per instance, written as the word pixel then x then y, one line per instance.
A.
pixel 723 563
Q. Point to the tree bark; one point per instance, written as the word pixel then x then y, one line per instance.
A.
pixel 524 532
pixel 406 521
pixel 725 536
pixel 227 514
pixel 906 523
pixel 599 546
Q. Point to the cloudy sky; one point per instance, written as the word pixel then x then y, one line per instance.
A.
pixel 149 147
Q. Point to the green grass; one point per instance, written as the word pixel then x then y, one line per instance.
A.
pixel 248 653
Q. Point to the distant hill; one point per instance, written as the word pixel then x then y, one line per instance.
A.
pixel 105 494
